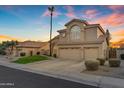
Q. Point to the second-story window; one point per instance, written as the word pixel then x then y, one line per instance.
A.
pixel 75 33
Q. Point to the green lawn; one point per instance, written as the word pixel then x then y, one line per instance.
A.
pixel 30 59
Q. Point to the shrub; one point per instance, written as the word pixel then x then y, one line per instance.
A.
pixel 38 53
pixel 114 63
pixel 101 61
pixel 2 52
pixel 22 54
pixel 54 55
pixel 92 65
pixel 122 56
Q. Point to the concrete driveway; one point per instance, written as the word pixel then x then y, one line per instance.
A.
pixel 75 67
pixel 58 65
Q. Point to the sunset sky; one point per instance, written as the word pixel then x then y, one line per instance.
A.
pixel 32 22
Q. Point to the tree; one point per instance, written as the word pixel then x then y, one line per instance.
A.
pixel 51 10
pixel 9 45
pixel 108 38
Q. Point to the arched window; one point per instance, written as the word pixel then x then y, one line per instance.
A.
pixel 75 32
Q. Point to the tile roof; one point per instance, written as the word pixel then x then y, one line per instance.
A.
pixel 32 44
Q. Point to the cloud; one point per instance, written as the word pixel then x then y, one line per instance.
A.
pixel 114 19
pixel 118 43
pixel 91 13
pixel 47 13
pixel 118 33
pixel 70 12
pixel 116 7
pixel 8 37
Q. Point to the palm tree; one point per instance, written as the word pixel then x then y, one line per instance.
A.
pixel 51 10
pixel 12 44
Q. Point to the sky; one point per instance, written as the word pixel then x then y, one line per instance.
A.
pixel 31 22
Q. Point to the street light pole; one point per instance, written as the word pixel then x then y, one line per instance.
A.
pixel 51 9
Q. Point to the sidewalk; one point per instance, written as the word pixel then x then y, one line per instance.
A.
pixel 95 80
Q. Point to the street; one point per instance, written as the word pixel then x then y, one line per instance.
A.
pixel 14 78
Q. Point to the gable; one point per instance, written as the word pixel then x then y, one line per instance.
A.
pixel 83 22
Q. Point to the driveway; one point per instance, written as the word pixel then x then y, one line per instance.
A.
pixel 58 65
pixel 70 67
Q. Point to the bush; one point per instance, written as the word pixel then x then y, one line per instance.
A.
pixel 2 52
pixel 101 61
pixel 22 54
pixel 92 65
pixel 54 55
pixel 122 56
pixel 38 53
pixel 114 63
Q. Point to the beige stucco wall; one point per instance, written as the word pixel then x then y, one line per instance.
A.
pixel 89 34
pixel 99 33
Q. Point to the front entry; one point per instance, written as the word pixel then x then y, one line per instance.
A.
pixel 70 53
pixel 31 53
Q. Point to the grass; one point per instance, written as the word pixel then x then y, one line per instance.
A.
pixel 30 59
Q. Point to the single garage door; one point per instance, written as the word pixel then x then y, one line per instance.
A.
pixel 70 53
pixel 90 53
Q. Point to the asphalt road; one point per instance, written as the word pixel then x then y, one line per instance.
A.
pixel 14 78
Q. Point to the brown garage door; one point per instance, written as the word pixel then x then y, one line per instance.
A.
pixel 90 53
pixel 70 53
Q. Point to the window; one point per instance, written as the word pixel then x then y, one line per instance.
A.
pixel 63 35
pixel 75 33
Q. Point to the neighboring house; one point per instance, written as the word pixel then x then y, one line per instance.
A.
pixel 82 41
pixel 28 48
pixel 45 48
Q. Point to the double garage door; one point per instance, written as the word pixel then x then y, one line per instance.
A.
pixel 75 53
pixel 70 53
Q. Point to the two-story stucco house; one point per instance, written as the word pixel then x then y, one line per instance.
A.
pixel 82 41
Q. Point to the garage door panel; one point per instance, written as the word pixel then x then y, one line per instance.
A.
pixel 73 54
pixel 91 53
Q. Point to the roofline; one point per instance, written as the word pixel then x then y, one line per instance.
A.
pixel 96 25
pixel 83 21
pixel 62 30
